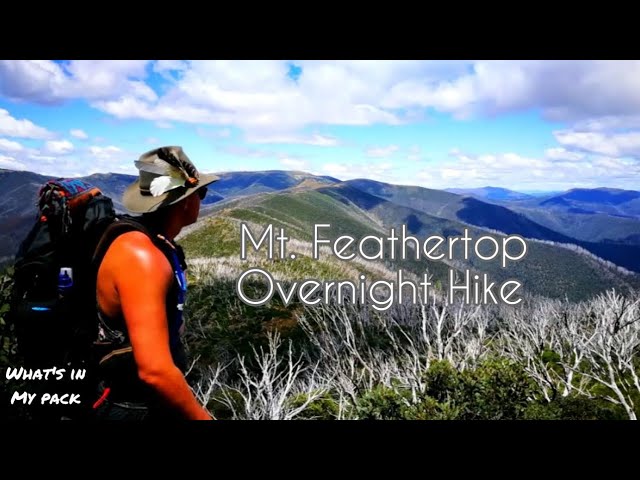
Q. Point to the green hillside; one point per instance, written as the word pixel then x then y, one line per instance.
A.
pixel 548 269
pixel 297 212
pixel 593 227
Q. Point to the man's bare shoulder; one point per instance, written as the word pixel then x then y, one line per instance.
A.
pixel 136 251
pixel 133 239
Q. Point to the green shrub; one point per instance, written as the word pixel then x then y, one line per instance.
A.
pixel 444 383
pixel 382 403
pixel 322 408
pixel 575 408
pixel 220 327
pixel 430 409
pixel 219 406
pixel 497 390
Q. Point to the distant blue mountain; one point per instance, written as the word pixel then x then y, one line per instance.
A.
pixel 235 184
pixel 482 213
pixel 598 198
pixel 490 193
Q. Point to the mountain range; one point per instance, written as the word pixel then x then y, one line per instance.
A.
pixel 578 239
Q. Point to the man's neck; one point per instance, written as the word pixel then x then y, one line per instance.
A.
pixel 169 228
pixel 170 232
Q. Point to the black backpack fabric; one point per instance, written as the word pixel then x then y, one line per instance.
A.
pixel 54 305
pixel 54 283
pixel 53 298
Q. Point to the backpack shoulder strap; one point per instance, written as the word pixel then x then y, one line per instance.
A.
pixel 120 226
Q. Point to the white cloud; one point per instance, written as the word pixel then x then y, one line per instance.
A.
pixel 504 161
pixel 170 65
pixel 245 151
pixel 601 98
pixel 59 147
pixel 379 152
pixel 170 69
pixel 260 97
pixel 45 81
pixel 381 171
pixel 603 143
pixel 563 90
pixel 449 97
pixel 42 158
pixel 338 170
pixel 10 146
pixel 30 80
pixel 610 122
pixel 23 128
pixel 141 90
pixel 294 163
pixel 315 139
pixel 560 170
pixel 561 153
pixel 11 163
pixel 105 153
pixel 61 158
pixel 615 164
pixel 77 133
pixel 79 162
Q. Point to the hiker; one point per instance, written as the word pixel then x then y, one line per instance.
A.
pixel 140 295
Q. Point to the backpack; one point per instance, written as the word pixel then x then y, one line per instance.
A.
pixel 53 305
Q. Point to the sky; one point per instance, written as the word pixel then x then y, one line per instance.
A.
pixel 523 125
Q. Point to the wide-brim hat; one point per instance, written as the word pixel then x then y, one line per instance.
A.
pixel 166 176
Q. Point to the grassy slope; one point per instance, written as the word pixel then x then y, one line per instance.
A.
pixel 219 236
pixel 547 269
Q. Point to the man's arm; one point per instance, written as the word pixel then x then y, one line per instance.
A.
pixel 143 280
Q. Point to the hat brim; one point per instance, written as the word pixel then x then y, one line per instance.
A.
pixel 136 202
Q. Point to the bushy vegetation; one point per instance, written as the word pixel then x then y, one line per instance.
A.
pixel 545 360
pixel 9 355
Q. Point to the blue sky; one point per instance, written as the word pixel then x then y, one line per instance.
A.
pixel 524 125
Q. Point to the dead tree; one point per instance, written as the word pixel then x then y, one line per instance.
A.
pixel 611 345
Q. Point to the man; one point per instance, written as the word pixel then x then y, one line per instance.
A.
pixel 140 293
